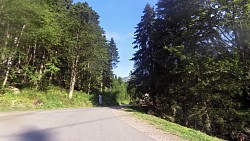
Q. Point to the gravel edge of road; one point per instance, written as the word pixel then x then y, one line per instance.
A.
pixel 144 127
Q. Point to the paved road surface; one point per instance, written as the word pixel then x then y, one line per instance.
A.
pixel 86 124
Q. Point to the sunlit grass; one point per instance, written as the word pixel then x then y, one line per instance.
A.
pixel 30 99
pixel 175 129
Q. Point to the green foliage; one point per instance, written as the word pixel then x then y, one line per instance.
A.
pixel 120 88
pixel 59 43
pixel 110 98
pixel 197 69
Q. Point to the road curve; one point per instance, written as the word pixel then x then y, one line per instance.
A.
pixel 86 124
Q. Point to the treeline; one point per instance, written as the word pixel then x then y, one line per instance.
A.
pixel 193 59
pixel 54 42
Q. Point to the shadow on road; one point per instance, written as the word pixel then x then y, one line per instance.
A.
pixel 35 135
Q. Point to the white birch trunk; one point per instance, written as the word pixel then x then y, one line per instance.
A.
pixel 74 70
pixel 6 43
pixel 40 72
pixel 72 81
pixel 9 62
pixel 50 78
pixel 89 81
pixel 34 55
pixel 207 120
pixel 73 77
pixel 8 59
pixel 101 87
pixel 7 71
pixel 18 39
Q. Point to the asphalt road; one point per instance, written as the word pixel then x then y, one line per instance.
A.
pixel 86 124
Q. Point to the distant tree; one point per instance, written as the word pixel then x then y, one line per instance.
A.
pixel 113 53
pixel 113 60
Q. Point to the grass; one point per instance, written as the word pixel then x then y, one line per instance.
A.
pixel 172 128
pixel 53 98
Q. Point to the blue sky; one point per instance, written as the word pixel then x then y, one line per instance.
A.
pixel 119 18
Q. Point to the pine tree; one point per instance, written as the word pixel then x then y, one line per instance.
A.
pixel 113 53
pixel 144 56
pixel 113 60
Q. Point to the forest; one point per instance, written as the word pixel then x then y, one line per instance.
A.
pixel 192 65
pixel 54 54
pixel 45 42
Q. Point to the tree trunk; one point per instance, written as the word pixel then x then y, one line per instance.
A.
pixel 6 42
pixel 89 81
pixel 7 71
pixel 72 83
pixel 8 59
pixel 40 72
pixel 185 114
pixel 74 69
pixel 174 112
pixel 207 121
pixel 18 39
pixel 9 62
pixel 101 82
pixel 73 77
pixel 50 78
pixel 33 57
pixel 101 87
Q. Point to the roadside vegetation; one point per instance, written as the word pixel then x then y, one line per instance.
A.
pixel 172 128
pixel 57 97
pixel 31 99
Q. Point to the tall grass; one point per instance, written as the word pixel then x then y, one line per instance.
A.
pixel 54 97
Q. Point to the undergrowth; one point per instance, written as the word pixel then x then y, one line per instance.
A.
pixel 53 98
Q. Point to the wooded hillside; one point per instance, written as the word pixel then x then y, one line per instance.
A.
pixel 58 42
pixel 193 59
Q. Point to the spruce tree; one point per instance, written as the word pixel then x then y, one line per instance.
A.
pixel 144 56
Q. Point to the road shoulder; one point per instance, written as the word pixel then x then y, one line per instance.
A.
pixel 144 127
